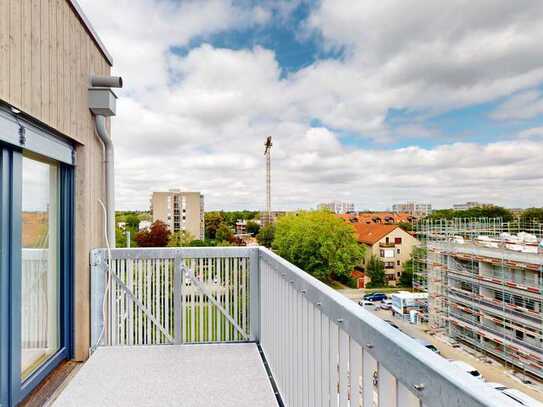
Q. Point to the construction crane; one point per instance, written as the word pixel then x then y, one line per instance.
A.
pixel 267 153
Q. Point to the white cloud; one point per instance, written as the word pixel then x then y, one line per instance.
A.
pixel 522 106
pixel 198 121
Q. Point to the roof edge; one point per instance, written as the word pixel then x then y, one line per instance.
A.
pixel 90 29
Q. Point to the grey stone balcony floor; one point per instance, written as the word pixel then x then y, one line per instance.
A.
pixel 186 375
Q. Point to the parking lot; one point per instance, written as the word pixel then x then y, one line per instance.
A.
pixel 491 370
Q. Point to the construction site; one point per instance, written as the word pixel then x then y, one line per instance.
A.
pixel 484 279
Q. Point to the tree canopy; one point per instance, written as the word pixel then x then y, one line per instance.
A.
pixel 532 214
pixel 158 235
pixel 319 243
pixel 181 238
pixel 265 236
pixel 375 270
pixel 486 212
pixel 212 222
pixel 223 234
pixel 253 228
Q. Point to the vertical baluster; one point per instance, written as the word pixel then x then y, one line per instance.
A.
pixel 149 280
pixel 192 299
pixel 244 302
pixel 311 354
pixel 355 369
pixel 201 271
pixel 140 297
pixel 219 288
pixel 325 386
pixel 317 356
pixel 122 310
pixel 387 388
pixel 343 368
pixel 334 364
pixel 303 351
pixel 369 369
pixel 229 289
pixel 405 397
pixel 130 304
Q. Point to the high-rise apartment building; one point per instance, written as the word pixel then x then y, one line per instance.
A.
pixel 337 207
pixel 180 211
pixel 418 210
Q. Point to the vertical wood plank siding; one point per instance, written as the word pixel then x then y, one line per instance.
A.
pixel 46 59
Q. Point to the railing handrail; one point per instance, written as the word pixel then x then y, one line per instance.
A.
pixel 432 379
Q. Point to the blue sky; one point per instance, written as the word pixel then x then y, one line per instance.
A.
pixel 372 102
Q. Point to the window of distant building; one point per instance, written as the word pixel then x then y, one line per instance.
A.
pixel 397 262
pixel 397 240
pixel 398 251
pixel 387 240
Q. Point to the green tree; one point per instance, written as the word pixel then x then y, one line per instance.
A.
pixel 477 212
pixel 265 236
pixel 253 228
pixel 375 270
pixel 224 233
pixel 532 215
pixel 406 278
pixel 132 221
pixel 318 242
pixel 408 227
pixel 212 222
pixel 181 238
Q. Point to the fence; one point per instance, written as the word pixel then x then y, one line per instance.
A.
pixel 322 348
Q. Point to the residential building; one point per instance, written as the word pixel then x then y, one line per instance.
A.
pixel 378 217
pixel 484 278
pixel 471 205
pixel 418 210
pixel 55 103
pixel 338 207
pixel 180 211
pixel 390 244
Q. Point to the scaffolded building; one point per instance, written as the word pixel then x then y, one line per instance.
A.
pixel 484 279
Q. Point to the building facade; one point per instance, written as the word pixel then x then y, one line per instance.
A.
pixel 338 207
pixel 181 211
pixel 484 279
pixel 52 177
pixel 390 244
pixel 418 210
pixel 471 205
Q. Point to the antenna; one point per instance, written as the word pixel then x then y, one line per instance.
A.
pixel 267 153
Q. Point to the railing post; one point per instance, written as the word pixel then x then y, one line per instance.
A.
pixel 178 299
pixel 254 306
pixel 98 285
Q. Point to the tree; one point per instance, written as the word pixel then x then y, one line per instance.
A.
pixel 406 278
pixel 318 242
pixel 532 214
pixel 376 272
pixel 158 235
pixel 477 212
pixel 408 227
pixel 253 228
pixel 212 222
pixel 181 238
pixel 223 234
pixel 132 221
pixel 265 236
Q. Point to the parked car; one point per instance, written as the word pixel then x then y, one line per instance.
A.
pixel 366 303
pixel 522 398
pixel 466 367
pixel 392 324
pixel 375 297
pixel 386 304
pixel 427 345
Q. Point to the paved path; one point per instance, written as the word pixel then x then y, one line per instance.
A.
pixel 225 375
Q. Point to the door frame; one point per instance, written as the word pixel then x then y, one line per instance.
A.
pixel 12 388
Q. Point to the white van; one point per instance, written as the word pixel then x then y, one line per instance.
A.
pixel 466 367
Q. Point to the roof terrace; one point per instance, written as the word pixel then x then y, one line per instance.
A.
pixel 184 326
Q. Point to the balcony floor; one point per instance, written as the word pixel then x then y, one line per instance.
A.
pixel 185 375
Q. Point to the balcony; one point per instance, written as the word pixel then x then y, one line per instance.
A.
pixel 244 327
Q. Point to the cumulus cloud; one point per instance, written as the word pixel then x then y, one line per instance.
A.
pixel 197 119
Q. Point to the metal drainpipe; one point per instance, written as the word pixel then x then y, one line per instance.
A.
pixel 102 132
pixel 108 109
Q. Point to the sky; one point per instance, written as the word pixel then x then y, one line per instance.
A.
pixel 371 102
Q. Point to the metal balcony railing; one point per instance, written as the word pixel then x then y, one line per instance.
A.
pixel 322 349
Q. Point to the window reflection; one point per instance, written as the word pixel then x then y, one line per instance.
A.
pixel 40 268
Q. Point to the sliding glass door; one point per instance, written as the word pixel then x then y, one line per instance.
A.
pixel 36 230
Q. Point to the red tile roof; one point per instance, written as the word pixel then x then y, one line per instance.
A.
pixel 373 232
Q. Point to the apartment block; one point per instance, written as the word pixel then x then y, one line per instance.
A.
pixel 180 211
pixel 390 243
pixel 414 209
pixel 337 207
pixel 484 279
pixel 470 205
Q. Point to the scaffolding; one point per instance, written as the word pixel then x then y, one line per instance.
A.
pixel 484 279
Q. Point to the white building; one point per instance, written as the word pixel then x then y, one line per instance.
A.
pixel 337 206
pixel 414 209
pixel 470 205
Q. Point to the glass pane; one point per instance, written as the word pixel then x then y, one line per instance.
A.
pixel 40 268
